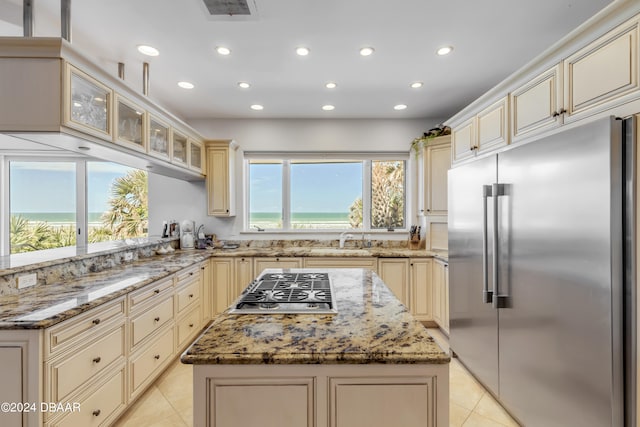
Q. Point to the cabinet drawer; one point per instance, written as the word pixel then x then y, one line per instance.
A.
pixel 188 326
pixel 151 360
pixel 100 406
pixel 189 294
pixel 81 327
pixel 187 274
pixel 151 320
pixel 338 262
pixel 69 372
pixel 139 297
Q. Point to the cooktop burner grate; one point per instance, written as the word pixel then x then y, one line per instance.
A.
pixel 288 293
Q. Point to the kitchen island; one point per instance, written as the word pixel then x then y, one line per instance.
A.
pixel 371 364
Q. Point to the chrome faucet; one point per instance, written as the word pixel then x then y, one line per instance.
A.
pixel 345 235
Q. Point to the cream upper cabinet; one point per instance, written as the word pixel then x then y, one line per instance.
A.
pixel 603 72
pixel 195 156
pixel 464 140
pixel 420 288
pixel 221 178
pixel 130 128
pixel 493 126
pixel 159 140
pixel 432 187
pixel 179 149
pixel 537 105
pixel 394 272
pixel 88 103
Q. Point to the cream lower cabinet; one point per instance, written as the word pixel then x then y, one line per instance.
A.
pixel 420 288
pixel 224 288
pixel 440 285
pixel 322 395
pixel 100 360
pixel 394 272
pixel 369 263
pixel 260 264
pixel 244 274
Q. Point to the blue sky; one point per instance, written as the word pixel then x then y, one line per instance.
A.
pixel 50 186
pixel 320 187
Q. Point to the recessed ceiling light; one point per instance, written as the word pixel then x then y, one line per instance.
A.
pixel 223 50
pixel 331 85
pixel 257 107
pixel 148 50
pixel 244 85
pixel 400 107
pixel 302 51
pixel 186 85
pixel 444 50
pixel 366 51
pixel 416 85
pixel 328 107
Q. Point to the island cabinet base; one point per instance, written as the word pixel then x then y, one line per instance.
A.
pixel 346 395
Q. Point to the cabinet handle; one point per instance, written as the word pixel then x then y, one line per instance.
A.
pixel 97 359
pixel 555 114
pixel 157 319
pixel 96 321
pixel 96 413
pixel 428 210
pixel 191 325
pixel 563 111
pixel 156 291
pixel 157 357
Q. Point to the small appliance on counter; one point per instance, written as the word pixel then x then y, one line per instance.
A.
pixel 187 234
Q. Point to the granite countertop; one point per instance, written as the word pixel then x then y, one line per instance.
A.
pixel 43 306
pixel 314 251
pixel 371 326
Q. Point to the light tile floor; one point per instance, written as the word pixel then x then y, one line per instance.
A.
pixel 168 402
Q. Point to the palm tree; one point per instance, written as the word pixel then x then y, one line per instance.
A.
pixel 128 216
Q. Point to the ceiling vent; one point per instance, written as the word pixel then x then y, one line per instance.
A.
pixel 231 10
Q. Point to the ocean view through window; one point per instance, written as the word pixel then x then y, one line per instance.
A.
pixel 49 201
pixel 302 194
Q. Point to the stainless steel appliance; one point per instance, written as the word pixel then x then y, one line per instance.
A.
pixel 295 293
pixel 542 273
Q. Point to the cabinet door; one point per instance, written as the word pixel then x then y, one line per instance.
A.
pixel 244 274
pixel 437 287
pixel 421 293
pixel 493 126
pixel 195 155
pixel 394 272
pixel 220 181
pixel 159 141
pixel 223 284
pixel 536 106
pixel 207 292
pixel 603 72
pixel 438 163
pixel 463 138
pixel 130 124
pixel 259 264
pixel 11 390
pixel 88 104
pixel 445 309
pixel 342 262
pixel 180 149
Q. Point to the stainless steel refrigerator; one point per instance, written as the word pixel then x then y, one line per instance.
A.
pixel 541 296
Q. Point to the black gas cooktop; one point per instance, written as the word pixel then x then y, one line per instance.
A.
pixel 299 293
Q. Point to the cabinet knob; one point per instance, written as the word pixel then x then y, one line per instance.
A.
pixel 190 295
pixel 96 413
pixel 96 321
pixel 563 111
pixel 156 291
pixel 191 274
pixel 97 359
pixel 555 114
pixel 191 325
pixel 157 319
pixel 157 357
pixel 428 210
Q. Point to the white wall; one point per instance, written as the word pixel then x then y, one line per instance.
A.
pixel 170 198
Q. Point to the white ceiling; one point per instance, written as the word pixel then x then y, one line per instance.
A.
pixel 491 39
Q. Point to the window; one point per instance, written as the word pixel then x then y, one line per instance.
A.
pixel 71 202
pixel 300 194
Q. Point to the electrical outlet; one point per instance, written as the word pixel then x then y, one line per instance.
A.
pixel 27 280
pixel 128 256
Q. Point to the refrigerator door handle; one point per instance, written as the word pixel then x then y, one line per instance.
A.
pixel 498 300
pixel 487 295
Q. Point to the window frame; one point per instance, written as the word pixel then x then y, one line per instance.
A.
pixel 287 158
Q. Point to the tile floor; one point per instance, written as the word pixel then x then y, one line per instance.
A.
pixel 168 401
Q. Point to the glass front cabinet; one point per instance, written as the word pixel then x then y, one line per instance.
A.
pixel 88 103
pixel 130 124
pixel 159 142
pixel 195 156
pixel 180 149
